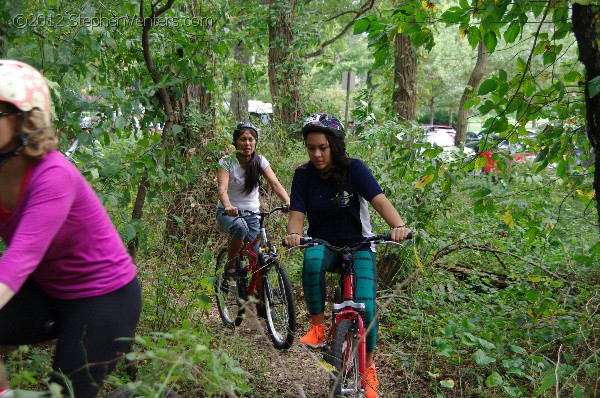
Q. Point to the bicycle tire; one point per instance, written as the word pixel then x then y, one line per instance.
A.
pixel 280 305
pixel 229 302
pixel 345 380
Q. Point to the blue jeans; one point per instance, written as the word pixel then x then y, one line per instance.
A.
pixel 237 227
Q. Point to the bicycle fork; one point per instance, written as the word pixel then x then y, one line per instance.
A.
pixel 356 312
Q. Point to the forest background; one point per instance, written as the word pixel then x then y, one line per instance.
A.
pixel 499 294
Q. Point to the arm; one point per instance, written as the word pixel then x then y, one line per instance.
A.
pixel 222 186
pixel 275 185
pixel 50 197
pixel 389 213
pixel 6 294
pixel 295 228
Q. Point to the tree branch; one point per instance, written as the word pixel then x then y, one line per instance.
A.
pixel 364 8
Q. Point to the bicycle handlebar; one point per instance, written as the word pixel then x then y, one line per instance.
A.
pixel 307 241
pixel 247 213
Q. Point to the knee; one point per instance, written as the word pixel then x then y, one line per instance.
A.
pixel 237 231
pixel 312 266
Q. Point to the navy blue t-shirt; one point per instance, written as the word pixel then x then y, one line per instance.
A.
pixel 313 196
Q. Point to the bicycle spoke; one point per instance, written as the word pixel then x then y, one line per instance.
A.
pixel 227 294
pixel 280 306
pixel 345 359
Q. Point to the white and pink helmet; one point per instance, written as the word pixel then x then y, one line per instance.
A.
pixel 23 86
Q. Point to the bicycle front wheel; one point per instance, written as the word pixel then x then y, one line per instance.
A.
pixel 345 380
pixel 280 305
pixel 227 293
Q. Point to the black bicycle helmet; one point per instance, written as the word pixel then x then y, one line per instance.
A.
pixel 324 123
pixel 242 126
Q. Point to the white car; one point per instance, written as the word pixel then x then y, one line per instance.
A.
pixel 443 140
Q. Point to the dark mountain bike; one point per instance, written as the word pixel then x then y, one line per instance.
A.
pixel 347 337
pixel 258 273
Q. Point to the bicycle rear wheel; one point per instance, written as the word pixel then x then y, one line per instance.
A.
pixel 228 294
pixel 344 358
pixel 280 305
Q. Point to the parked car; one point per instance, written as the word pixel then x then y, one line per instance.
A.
pixel 446 142
pixel 432 128
pixel 515 153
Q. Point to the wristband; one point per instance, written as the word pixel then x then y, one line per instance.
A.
pixel 294 233
pixel 401 226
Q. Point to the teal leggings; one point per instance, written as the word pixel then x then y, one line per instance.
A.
pixel 320 259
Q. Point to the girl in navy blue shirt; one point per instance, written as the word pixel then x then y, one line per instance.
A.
pixel 333 192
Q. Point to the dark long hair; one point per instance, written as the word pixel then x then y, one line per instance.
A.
pixel 253 173
pixel 253 170
pixel 340 163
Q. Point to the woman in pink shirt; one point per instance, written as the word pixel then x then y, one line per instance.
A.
pixel 65 274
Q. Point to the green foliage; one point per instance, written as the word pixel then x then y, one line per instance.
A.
pixel 183 359
pixel 507 323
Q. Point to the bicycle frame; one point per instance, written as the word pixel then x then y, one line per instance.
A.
pixel 254 260
pixel 347 307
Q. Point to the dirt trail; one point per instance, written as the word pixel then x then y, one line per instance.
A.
pixel 296 372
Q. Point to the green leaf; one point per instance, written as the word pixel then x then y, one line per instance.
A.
pixel 572 76
pixel 491 41
pixel 481 162
pixel 548 381
pixel 177 128
pixel 450 330
pixel 361 26
pixel 487 87
pixel 473 36
pixel 494 380
pixel 517 350
pixel 447 383
pixel 594 86
pixel 511 34
pixel 120 122
pixel 129 232
pixel 444 350
pixel 482 359
pixel 85 139
pixel 453 15
pixel 502 75
pixel 549 56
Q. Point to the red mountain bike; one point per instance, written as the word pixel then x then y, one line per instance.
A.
pixel 258 273
pixel 347 337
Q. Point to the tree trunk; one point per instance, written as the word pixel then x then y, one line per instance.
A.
pixel 404 97
pixel 185 143
pixel 431 110
pixel 475 79
pixel 239 85
pixel 284 64
pixel 586 21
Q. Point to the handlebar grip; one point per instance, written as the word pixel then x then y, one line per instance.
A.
pixel 303 241
pixel 388 236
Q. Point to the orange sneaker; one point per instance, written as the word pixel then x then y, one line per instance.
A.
pixel 371 382
pixel 315 338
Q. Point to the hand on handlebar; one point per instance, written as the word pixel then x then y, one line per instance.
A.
pixel 399 234
pixel 231 211
pixel 292 240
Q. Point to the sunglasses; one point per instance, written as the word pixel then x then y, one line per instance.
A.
pixel 6 113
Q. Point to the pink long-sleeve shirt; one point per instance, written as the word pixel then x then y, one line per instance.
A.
pixel 60 234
